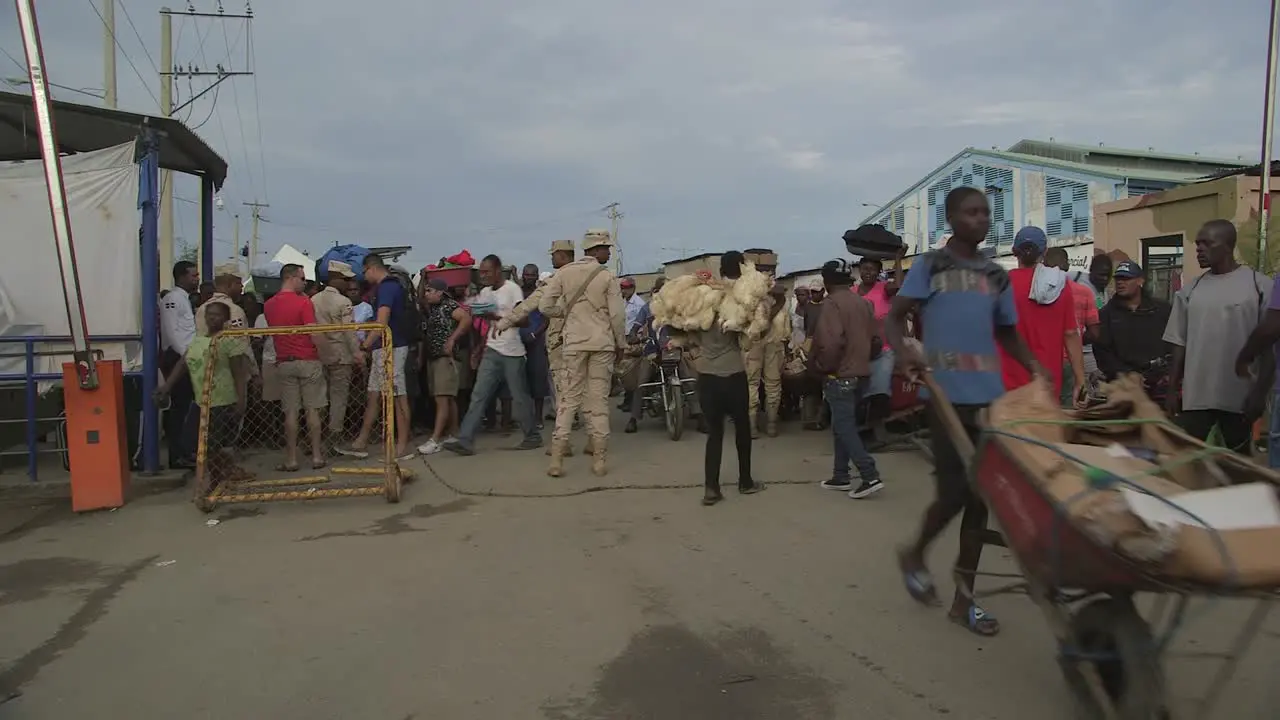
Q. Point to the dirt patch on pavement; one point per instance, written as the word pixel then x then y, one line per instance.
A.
pixel 668 672
pixel 399 522
pixel 28 580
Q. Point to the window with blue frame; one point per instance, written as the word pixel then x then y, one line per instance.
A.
pixel 1066 207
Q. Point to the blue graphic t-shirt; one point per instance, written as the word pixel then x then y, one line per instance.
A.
pixel 961 303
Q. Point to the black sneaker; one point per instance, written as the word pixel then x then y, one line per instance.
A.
pixel 867 489
pixel 837 484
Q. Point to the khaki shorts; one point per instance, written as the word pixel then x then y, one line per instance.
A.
pixel 302 385
pixel 270 382
pixel 442 377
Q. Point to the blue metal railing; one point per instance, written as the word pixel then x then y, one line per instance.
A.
pixel 31 378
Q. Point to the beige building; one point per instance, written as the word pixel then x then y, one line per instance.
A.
pixel 687 266
pixel 1158 230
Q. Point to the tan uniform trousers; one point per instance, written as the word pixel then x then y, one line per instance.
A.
pixel 764 361
pixel 339 377
pixel 585 388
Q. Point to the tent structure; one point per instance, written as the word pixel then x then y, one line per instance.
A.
pixel 157 143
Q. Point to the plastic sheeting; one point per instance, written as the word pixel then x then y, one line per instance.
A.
pixel 102 194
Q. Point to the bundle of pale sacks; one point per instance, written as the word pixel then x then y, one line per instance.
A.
pixel 691 303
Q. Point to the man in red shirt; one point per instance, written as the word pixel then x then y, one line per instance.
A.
pixel 1046 315
pixel 298 366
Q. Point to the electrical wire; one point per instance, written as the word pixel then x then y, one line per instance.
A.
pixel 213 105
pixel 138 35
pixel 18 64
pixel 235 99
pixel 257 110
pixel 127 59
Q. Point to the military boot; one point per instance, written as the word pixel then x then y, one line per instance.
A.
pixel 599 458
pixel 568 449
pixel 556 467
pixel 590 447
pixel 771 424
pixel 755 427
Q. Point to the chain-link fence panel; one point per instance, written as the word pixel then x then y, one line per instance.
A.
pixel 295 413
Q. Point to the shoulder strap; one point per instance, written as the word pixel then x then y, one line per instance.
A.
pixel 582 289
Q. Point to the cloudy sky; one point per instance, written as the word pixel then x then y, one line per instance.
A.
pixel 500 126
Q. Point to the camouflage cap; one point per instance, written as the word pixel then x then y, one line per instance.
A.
pixel 337 267
pixel 561 245
pixel 596 238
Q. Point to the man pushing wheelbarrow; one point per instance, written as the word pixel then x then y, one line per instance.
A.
pixel 966 307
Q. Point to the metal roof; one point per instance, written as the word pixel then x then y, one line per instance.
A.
pixel 1037 147
pixel 1119 173
pixel 84 128
pixel 692 258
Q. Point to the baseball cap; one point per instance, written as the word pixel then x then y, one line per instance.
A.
pixel 340 268
pixel 562 245
pixel 439 284
pixel 1129 269
pixel 626 282
pixel 1031 235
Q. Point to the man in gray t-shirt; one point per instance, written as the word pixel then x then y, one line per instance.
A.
pixel 1212 319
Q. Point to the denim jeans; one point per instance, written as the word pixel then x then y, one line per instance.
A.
pixel 495 370
pixel 843 396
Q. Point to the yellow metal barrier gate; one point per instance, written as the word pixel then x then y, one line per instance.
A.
pixel 236 442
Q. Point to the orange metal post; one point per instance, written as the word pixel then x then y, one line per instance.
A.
pixel 97 448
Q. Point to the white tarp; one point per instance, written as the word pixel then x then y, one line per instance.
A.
pixel 289 255
pixel 102 193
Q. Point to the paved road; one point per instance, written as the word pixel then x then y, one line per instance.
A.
pixel 458 604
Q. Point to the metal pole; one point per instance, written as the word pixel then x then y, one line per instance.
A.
pixel 77 325
pixel 109 54
pixel 166 109
pixel 1268 121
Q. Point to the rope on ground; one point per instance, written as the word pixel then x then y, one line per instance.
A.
pixel 581 491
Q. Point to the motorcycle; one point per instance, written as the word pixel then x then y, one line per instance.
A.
pixel 666 395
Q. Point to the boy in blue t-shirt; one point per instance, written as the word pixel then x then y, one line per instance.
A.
pixel 965 307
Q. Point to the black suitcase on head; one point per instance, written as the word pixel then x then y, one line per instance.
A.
pixel 874 242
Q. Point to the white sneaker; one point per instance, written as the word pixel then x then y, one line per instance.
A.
pixel 430 447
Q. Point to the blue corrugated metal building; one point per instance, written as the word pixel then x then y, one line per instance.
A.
pixel 1049 184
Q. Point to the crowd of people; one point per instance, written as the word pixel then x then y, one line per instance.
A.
pixel 500 349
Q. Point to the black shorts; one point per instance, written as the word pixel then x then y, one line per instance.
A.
pixel 950 475
pixel 224 427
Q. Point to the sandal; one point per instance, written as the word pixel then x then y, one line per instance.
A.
pixel 752 489
pixel 318 464
pixel 977 621
pixel 286 467
pixel 709 500
pixel 919 581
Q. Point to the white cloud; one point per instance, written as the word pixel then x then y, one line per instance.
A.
pixel 724 123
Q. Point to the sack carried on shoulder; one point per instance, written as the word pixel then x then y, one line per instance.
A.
pixel 796 365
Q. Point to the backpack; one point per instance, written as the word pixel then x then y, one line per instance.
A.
pixel 412 316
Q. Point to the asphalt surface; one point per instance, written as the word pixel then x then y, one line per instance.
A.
pixel 582 599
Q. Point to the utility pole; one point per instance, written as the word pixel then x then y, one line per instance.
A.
pixel 168 72
pixel 256 207
pixel 109 54
pixel 615 216
pixel 1268 129
pixel 166 177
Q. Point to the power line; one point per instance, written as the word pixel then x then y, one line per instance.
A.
pixel 235 98
pixel 257 112
pixel 127 59
pixel 20 65
pixel 138 35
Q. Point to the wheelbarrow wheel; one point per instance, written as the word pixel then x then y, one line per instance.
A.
pixel 1114 639
pixel 392 482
